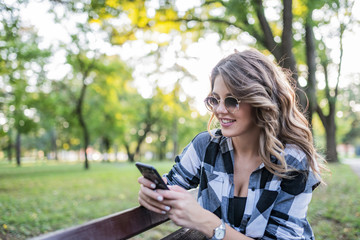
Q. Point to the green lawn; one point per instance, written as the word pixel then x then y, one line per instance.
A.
pixel 334 212
pixel 39 198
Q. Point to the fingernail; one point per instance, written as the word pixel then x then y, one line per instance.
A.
pixel 153 185
pixel 167 208
pixel 159 198
pixel 163 212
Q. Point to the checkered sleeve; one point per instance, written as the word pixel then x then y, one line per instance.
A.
pixel 186 170
pixel 288 217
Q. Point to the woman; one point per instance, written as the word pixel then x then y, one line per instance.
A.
pixel 257 172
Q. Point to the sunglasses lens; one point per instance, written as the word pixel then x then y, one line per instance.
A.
pixel 211 103
pixel 231 104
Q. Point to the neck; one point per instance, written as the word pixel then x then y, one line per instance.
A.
pixel 247 147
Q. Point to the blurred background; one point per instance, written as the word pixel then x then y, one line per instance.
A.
pixel 126 80
pixel 89 82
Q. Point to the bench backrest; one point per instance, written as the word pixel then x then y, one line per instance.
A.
pixel 121 225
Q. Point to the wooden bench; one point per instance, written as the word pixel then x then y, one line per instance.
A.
pixel 121 225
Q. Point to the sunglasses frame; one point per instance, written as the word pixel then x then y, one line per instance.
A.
pixel 213 109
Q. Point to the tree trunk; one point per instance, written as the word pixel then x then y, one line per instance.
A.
pixel 116 152
pixel 9 147
pixel 162 149
pixel 130 155
pixel 149 121
pixel 136 153
pixel 18 148
pixel 284 54
pixel 53 144
pixel 330 130
pixel 288 58
pixel 106 143
pixel 79 112
pixel 268 41
pixel 331 151
pixel 146 131
pixel 311 63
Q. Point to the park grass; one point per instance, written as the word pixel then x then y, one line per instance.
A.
pixel 44 197
pixel 334 212
pixel 39 198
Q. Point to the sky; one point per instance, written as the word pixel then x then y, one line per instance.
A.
pixel 205 53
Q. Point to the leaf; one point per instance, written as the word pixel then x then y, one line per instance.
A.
pixel 300 8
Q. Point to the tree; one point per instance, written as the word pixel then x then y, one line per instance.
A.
pixel 350 109
pixel 344 20
pixel 21 62
pixel 119 32
pixel 142 119
pixel 248 16
pixel 279 37
pixel 288 34
pixel 103 108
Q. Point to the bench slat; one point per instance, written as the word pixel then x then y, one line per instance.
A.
pixel 121 225
pixel 185 234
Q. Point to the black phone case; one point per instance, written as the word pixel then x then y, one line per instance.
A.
pixel 149 172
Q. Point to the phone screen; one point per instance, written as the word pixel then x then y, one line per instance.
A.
pixel 149 172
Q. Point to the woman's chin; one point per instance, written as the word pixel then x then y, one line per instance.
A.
pixel 226 132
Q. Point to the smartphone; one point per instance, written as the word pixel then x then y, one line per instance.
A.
pixel 150 173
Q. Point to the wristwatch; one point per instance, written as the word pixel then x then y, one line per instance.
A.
pixel 219 232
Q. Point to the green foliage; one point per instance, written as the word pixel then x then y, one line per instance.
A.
pixel 104 105
pixel 178 123
pixel 114 111
pixel 21 61
pixel 349 104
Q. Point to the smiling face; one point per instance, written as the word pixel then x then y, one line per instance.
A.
pixel 241 122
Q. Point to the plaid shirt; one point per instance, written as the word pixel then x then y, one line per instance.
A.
pixel 275 208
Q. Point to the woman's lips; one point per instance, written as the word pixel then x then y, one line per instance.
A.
pixel 226 122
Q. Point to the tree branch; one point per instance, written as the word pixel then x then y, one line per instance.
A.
pixel 269 41
pixel 289 61
pixel 342 29
pixel 324 64
pixel 311 64
pixel 243 27
pixel 321 115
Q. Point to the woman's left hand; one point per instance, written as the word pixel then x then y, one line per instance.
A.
pixel 184 209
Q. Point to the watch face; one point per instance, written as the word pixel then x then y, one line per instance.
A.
pixel 219 233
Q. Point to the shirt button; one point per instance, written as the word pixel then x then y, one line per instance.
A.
pixel 252 189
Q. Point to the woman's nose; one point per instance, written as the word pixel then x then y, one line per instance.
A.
pixel 221 107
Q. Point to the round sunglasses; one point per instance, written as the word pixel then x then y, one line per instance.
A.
pixel 231 103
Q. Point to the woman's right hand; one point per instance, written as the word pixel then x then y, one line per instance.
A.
pixel 150 198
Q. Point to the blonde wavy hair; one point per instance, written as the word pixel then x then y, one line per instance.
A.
pixel 253 78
